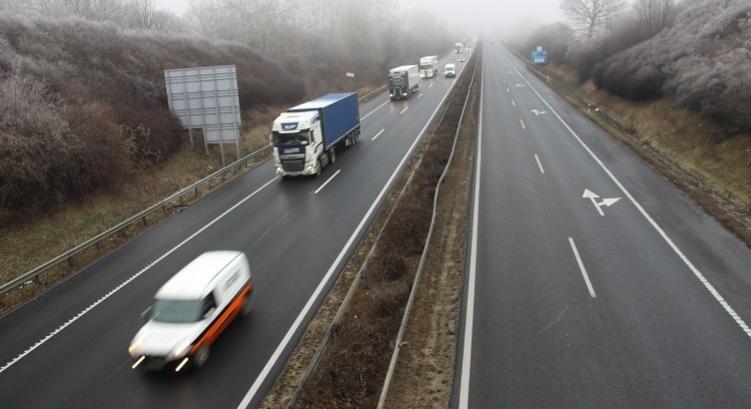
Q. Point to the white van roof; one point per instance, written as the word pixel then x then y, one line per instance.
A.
pixel 194 280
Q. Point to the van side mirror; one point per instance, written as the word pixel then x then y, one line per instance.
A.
pixel 146 314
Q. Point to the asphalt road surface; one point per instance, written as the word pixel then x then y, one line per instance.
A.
pixel 68 348
pixel 630 297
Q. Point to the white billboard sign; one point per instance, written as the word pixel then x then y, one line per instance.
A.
pixel 206 98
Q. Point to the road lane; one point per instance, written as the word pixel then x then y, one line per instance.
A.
pixel 653 336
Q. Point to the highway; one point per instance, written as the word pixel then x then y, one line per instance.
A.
pixel 593 282
pixel 68 347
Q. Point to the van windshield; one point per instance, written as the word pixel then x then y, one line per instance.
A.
pixel 177 311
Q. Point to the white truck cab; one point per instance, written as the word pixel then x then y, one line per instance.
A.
pixel 299 140
pixel 191 310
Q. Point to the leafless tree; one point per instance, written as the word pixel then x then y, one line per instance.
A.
pixel 654 15
pixel 590 16
pixel 143 12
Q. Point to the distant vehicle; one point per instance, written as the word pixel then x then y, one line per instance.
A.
pixel 449 71
pixel 403 81
pixel 306 137
pixel 458 47
pixel 428 66
pixel 462 59
pixel 191 310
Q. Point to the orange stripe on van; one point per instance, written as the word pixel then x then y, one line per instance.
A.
pixel 223 320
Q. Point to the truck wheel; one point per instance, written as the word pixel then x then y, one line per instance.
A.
pixel 332 156
pixel 201 356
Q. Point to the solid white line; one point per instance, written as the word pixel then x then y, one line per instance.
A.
pixel 537 158
pixel 513 102
pixel 712 290
pixel 582 268
pixel 327 181
pixel 377 135
pixel 470 313
pixel 406 107
pixel 507 91
pixel 522 122
pixel 133 277
pixel 248 398
pixel 374 109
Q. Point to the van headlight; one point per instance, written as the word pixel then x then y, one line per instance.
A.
pixel 180 350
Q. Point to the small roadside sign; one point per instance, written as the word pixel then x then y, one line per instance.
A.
pixel 350 75
pixel 539 56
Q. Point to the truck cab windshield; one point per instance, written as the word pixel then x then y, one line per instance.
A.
pixel 291 139
pixel 397 80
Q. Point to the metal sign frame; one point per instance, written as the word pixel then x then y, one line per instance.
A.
pixel 206 98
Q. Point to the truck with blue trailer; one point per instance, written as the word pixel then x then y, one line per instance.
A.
pixel 538 56
pixel 307 136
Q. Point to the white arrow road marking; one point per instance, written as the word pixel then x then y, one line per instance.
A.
pixel 607 202
pixel 538 112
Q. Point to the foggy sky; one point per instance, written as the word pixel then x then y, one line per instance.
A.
pixel 503 16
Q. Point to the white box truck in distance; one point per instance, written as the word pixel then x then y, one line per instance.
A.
pixel 458 47
pixel 403 81
pixel 306 137
pixel 428 66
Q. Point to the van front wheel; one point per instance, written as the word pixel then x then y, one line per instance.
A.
pixel 201 356
pixel 245 311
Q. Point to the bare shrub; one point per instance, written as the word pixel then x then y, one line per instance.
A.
pixel 82 103
pixel 701 62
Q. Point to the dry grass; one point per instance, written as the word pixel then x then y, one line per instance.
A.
pixel 717 156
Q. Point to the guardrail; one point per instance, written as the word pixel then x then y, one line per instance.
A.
pixel 423 256
pixel 178 197
pixel 361 275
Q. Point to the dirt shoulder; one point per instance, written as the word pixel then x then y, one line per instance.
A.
pixel 712 164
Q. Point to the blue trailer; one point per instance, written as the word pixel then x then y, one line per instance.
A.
pixel 307 136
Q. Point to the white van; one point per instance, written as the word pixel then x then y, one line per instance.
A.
pixel 449 70
pixel 191 310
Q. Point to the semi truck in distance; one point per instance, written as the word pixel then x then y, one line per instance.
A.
pixel 458 47
pixel 428 66
pixel 306 137
pixel 403 81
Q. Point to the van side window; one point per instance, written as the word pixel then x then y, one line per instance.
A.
pixel 208 303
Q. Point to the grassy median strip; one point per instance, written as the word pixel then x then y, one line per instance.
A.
pixel 424 372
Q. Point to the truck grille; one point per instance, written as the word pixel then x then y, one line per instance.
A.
pixel 293 165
